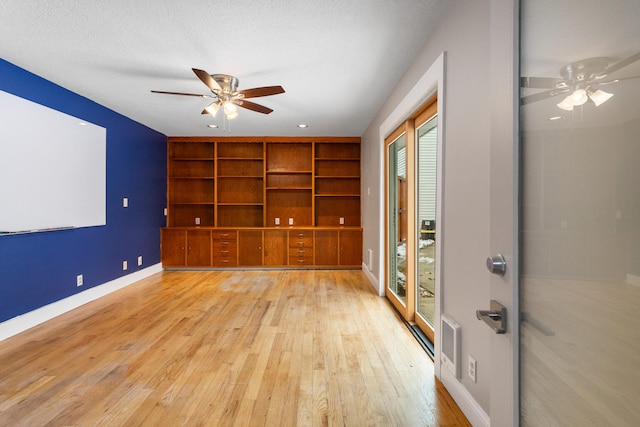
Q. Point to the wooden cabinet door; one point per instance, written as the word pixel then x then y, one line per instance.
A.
pixel 250 248
pixel 198 248
pixel 326 248
pixel 173 247
pixel 275 247
pixel 351 248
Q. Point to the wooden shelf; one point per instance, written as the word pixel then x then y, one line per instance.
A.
pixel 289 157
pixel 251 181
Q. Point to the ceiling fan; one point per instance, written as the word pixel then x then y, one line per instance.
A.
pixel 225 94
pixel 580 80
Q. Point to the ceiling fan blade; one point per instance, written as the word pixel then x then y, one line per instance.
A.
pixel 252 106
pixel 540 96
pixel 620 64
pixel 616 80
pixel 540 82
pixel 208 80
pixel 182 93
pixel 261 91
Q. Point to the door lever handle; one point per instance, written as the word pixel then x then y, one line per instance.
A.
pixel 495 317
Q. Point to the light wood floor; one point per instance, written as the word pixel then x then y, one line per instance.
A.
pixel 225 348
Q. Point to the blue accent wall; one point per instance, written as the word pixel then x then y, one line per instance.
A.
pixel 40 268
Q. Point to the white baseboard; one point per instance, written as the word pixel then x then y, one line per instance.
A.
pixel 471 409
pixel 40 315
pixel 374 281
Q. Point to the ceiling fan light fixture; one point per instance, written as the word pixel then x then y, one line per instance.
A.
pixel 212 108
pixel 579 97
pixel 600 97
pixel 566 104
pixel 230 109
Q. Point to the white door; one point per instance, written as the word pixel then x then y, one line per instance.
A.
pixel 503 409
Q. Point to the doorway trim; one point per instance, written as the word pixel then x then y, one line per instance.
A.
pixel 431 82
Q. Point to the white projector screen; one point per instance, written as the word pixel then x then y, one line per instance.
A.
pixel 52 168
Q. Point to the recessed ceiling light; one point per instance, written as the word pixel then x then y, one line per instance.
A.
pixel 302 126
pixel 556 118
pixel 212 126
pixel 82 123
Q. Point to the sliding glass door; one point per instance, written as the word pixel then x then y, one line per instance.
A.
pixel 411 158
pixel 426 209
pixel 397 220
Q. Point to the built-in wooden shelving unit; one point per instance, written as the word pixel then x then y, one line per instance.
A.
pixel 270 201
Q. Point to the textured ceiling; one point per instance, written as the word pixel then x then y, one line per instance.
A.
pixel 338 60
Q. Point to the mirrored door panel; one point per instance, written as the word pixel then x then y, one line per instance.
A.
pixel 580 213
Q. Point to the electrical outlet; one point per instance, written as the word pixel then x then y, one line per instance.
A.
pixel 79 280
pixel 277 221
pixel 341 221
pixel 124 265
pixel 125 202
pixel 473 366
pixel 140 260
pixel 165 211
pixel 197 221
pixel 290 221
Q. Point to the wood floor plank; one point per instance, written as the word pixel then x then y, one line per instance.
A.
pixel 225 348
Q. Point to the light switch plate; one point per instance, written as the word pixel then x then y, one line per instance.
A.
pixel 125 202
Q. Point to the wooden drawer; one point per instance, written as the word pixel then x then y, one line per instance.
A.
pixel 300 256
pixel 224 235
pixel 225 251
pixel 301 238
pixel 224 247
pixel 296 258
pixel 225 262
pixel 300 252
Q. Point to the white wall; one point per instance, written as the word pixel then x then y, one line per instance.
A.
pixel 464 35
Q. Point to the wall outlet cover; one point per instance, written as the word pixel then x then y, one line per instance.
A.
pixel 473 369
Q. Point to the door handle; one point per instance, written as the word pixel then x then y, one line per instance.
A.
pixel 495 317
pixel 497 264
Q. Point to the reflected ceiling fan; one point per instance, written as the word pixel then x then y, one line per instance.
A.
pixel 580 81
pixel 226 95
